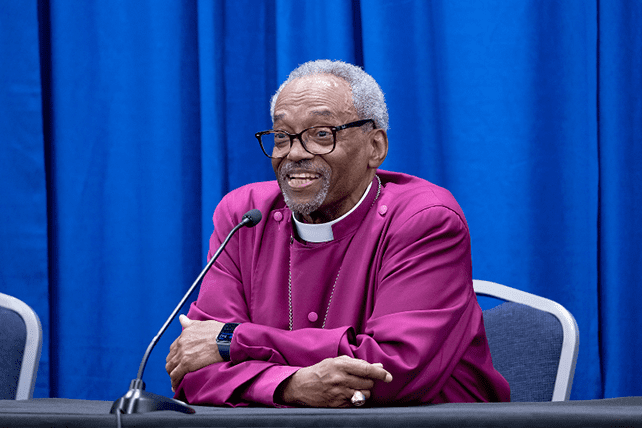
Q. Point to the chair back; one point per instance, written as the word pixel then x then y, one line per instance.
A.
pixel 20 346
pixel 533 341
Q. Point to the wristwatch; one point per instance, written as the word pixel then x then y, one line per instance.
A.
pixel 225 338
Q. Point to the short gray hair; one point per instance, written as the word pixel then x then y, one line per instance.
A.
pixel 367 96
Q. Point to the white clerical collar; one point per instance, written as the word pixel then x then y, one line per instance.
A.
pixel 322 232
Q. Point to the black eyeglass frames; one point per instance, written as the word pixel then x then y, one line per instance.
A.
pixel 317 140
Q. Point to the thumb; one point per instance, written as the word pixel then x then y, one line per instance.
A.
pixel 185 322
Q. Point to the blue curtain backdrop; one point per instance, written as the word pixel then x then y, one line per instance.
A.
pixel 122 124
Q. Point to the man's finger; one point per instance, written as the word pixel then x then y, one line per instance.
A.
pixel 388 377
pixel 171 365
pixel 176 376
pixel 172 351
pixel 184 320
pixel 357 382
pixel 364 369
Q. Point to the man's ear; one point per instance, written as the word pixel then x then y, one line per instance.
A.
pixel 379 148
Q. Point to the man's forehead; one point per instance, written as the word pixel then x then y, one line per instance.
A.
pixel 323 113
pixel 319 94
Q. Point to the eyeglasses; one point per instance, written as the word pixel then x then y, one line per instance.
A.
pixel 317 140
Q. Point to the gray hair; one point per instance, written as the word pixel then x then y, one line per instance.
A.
pixel 367 96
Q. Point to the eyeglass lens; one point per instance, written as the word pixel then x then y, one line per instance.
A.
pixel 317 140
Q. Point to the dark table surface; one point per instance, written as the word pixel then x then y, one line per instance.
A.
pixel 60 412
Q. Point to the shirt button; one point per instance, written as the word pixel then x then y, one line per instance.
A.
pixel 278 216
pixel 383 210
pixel 312 316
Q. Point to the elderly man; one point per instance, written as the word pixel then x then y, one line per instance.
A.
pixel 357 285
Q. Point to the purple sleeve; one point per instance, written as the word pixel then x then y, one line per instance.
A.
pixel 234 385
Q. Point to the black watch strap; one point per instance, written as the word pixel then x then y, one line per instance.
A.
pixel 224 339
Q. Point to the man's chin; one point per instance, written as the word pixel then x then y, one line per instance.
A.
pixel 304 202
pixel 302 207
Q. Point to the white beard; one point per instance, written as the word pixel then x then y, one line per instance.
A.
pixel 312 205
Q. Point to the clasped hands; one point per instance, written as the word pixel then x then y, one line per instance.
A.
pixel 329 383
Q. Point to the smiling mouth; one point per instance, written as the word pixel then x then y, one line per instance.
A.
pixel 302 179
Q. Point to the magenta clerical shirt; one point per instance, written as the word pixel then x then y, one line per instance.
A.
pixel 393 287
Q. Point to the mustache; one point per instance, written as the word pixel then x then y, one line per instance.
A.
pixel 304 164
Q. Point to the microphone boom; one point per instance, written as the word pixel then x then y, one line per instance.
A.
pixel 137 400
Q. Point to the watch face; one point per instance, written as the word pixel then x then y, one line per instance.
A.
pixel 224 340
pixel 226 333
pixel 224 337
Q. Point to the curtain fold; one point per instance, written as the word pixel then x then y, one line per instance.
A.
pixel 620 190
pixel 23 196
pixel 122 124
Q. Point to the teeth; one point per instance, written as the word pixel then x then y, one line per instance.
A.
pixel 301 179
pixel 303 176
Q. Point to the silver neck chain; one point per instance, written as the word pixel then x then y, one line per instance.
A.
pixel 327 310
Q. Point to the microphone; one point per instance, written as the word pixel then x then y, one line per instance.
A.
pixel 137 400
pixel 251 218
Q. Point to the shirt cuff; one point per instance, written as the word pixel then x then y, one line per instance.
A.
pixel 263 387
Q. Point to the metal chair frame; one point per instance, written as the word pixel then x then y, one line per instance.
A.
pixel 33 345
pixel 571 340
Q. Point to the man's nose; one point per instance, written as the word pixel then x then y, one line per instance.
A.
pixel 297 152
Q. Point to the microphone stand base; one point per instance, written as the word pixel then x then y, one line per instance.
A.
pixel 137 400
